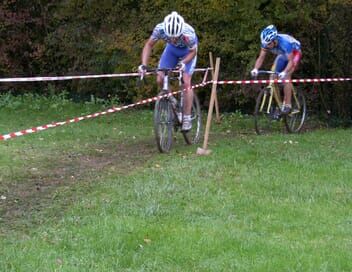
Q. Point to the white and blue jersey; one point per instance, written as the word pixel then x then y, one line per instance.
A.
pixel 177 49
pixel 187 39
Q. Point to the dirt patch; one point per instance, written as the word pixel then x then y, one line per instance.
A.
pixel 26 202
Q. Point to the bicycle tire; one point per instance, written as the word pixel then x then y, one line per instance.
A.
pixel 295 120
pixel 264 121
pixel 163 124
pixel 192 136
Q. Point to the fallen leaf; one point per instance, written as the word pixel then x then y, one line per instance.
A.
pixel 147 241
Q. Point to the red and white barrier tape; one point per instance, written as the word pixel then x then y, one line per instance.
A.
pixel 149 100
pixel 56 78
pixel 89 116
pixel 267 81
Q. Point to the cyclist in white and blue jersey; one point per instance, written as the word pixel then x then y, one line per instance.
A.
pixel 288 51
pixel 180 51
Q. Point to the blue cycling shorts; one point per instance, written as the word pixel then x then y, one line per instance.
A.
pixel 172 55
pixel 281 61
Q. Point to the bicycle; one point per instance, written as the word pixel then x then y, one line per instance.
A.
pixel 267 113
pixel 168 112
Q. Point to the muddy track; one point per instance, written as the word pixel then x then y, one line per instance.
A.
pixel 27 201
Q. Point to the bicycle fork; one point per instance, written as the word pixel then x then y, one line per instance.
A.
pixel 265 97
pixel 272 93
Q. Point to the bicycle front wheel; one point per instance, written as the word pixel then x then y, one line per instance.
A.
pixel 193 136
pixel 266 114
pixel 163 124
pixel 295 120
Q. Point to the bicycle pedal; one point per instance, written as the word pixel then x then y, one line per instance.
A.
pixel 275 119
pixel 276 116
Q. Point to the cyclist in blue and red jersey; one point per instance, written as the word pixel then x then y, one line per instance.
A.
pixel 180 51
pixel 288 51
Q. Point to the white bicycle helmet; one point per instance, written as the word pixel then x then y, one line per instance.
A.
pixel 173 24
pixel 268 35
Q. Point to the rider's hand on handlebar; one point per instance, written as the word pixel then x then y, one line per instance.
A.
pixel 282 75
pixel 142 69
pixel 181 66
pixel 254 72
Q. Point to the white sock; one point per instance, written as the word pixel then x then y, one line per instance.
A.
pixel 286 105
pixel 186 117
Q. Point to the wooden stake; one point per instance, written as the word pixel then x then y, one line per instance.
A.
pixel 216 96
pixel 204 150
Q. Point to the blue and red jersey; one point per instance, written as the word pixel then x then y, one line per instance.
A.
pixel 286 44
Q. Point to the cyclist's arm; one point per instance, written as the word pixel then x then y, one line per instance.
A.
pixel 147 49
pixel 260 59
pixel 290 64
pixel 190 55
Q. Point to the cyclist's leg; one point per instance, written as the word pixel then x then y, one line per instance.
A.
pixel 280 64
pixel 288 86
pixel 288 91
pixel 187 80
pixel 168 59
pixel 188 94
pixel 172 56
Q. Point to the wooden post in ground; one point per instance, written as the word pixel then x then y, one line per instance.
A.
pixel 204 150
pixel 216 96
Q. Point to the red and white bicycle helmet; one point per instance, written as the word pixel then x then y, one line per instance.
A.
pixel 173 24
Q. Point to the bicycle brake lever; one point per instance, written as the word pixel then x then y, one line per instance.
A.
pixel 180 74
pixel 140 81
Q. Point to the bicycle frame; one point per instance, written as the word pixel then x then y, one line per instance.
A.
pixel 168 112
pixel 166 85
pixel 269 104
pixel 275 92
pixel 166 89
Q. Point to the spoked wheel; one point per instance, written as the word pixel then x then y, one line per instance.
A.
pixel 163 124
pixel 295 120
pixel 193 136
pixel 266 120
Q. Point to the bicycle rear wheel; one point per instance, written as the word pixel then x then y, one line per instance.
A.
pixel 295 120
pixel 193 136
pixel 266 115
pixel 163 124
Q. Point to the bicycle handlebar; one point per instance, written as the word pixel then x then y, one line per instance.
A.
pixel 264 72
pixel 267 72
pixel 155 70
pixel 164 70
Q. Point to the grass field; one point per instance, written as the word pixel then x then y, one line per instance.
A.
pixel 97 196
